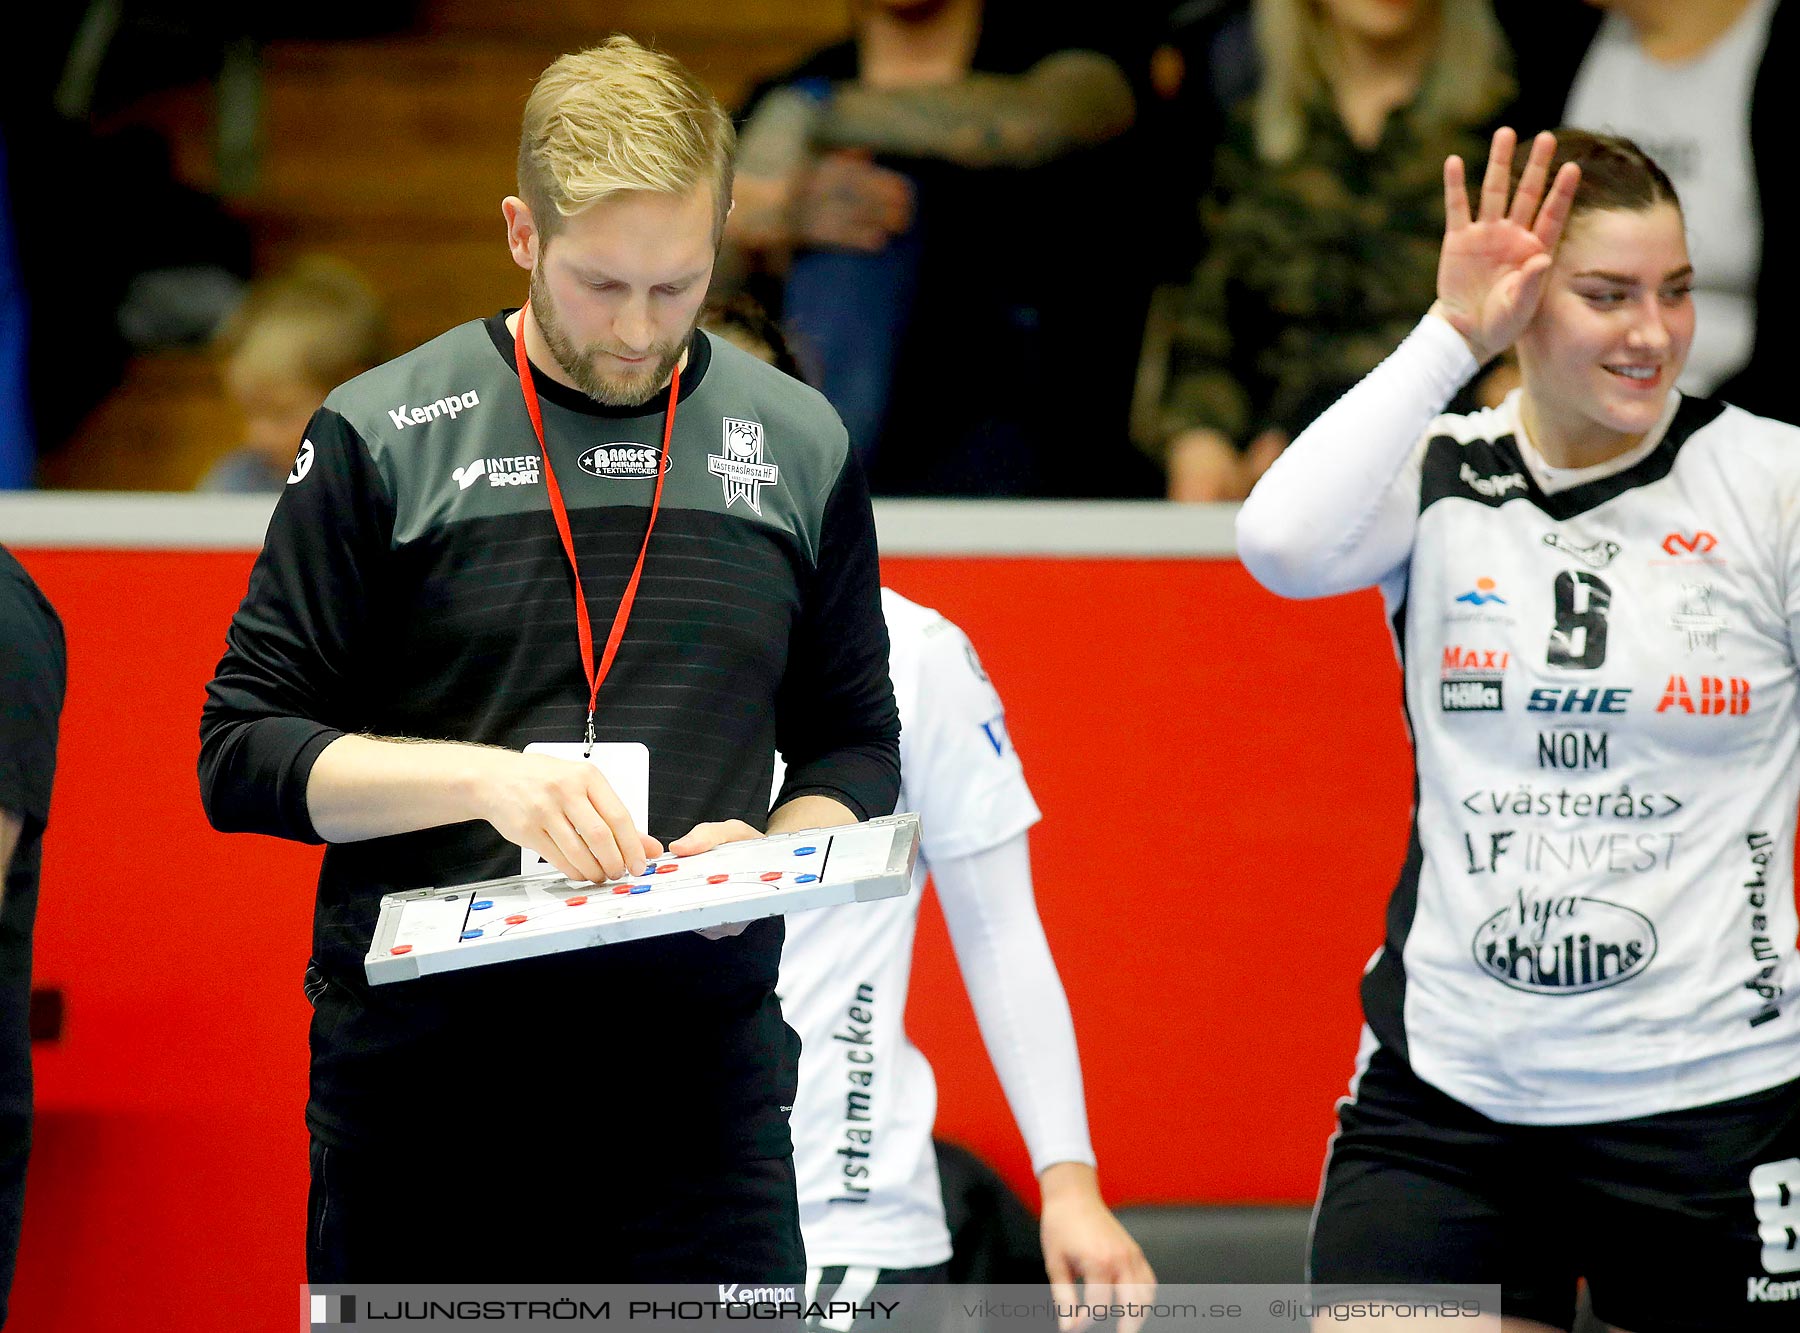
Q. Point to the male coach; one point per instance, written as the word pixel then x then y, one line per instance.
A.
pixel 577 527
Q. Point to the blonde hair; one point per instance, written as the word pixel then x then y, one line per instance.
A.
pixel 319 321
pixel 616 117
pixel 1469 76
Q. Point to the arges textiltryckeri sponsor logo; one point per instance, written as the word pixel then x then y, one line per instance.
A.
pixel 622 462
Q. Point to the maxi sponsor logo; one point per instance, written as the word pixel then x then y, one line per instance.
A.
pixel 859 1133
pixel 1562 803
pixel 451 405
pixel 1765 956
pixel 1563 944
pixel 1472 679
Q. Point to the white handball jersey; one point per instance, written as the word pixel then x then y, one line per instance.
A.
pixel 1596 916
pixel 867 1175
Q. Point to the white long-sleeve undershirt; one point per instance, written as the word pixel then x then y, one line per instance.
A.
pixel 1018 997
pixel 1339 508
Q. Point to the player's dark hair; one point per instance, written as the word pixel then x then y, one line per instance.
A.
pixel 1615 173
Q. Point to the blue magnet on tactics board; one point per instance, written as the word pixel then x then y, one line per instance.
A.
pixel 805 851
pixel 482 905
pixel 471 934
pixel 804 879
pixel 640 888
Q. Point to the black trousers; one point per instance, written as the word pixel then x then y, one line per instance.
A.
pixel 15 1150
pixel 571 1207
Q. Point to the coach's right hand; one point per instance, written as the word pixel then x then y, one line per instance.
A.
pixel 565 811
pixel 562 809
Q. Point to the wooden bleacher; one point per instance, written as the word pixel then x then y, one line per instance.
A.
pixel 394 153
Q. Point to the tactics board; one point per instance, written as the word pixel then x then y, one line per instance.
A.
pixel 524 916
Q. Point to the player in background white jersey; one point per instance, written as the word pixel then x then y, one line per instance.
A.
pixel 870 1205
pixel 1582 1049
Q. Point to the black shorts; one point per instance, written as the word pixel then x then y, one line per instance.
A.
pixel 912 1300
pixel 1687 1222
pixel 576 1214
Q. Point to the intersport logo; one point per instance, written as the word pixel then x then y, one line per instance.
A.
pixel 521 471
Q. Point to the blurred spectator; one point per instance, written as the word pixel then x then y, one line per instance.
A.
pixel 296 337
pixel 1707 88
pixel 17 455
pixel 163 264
pixel 1204 64
pixel 1323 223
pixel 66 117
pixel 943 204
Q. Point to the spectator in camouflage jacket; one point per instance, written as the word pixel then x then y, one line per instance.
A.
pixel 1323 223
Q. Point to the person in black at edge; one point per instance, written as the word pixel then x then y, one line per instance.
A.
pixel 608 1114
pixel 33 678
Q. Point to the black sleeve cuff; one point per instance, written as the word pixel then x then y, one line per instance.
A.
pixel 253 776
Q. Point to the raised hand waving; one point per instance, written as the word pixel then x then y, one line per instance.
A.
pixel 1492 267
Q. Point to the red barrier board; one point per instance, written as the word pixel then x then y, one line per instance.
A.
pixel 1225 786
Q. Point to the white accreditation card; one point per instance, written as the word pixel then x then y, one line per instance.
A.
pixel 624 764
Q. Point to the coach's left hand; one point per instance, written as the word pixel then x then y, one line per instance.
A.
pixel 703 838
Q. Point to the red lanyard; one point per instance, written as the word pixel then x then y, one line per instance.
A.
pixel 584 627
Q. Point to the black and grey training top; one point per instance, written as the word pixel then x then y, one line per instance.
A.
pixel 412 584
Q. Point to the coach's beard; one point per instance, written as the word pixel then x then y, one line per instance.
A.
pixel 581 364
